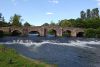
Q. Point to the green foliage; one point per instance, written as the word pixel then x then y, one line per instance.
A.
pixel 52 23
pixel 52 32
pixel 92 23
pixel 26 24
pixel 94 13
pixel 2 21
pixel 3 24
pixel 83 15
pixel 0 15
pixel 79 23
pixel 90 33
pixel 88 23
pixel 45 24
pixel 16 20
pixel 10 58
pixel 98 33
pixel 67 34
pixel 89 13
pixel 10 61
pixel 65 23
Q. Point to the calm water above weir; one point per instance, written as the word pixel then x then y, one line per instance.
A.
pixel 65 52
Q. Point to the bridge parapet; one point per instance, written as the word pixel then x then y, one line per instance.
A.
pixel 4 29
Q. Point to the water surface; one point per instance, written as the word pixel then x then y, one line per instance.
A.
pixel 65 52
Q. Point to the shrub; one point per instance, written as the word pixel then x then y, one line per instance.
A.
pixel 90 33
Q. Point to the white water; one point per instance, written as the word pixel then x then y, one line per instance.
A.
pixel 65 54
pixel 77 43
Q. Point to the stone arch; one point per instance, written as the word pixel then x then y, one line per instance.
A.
pixel 35 33
pixel 16 33
pixel 80 34
pixel 1 33
pixel 67 33
pixel 52 32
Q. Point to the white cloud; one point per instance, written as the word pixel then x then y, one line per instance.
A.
pixel 54 1
pixel 98 2
pixel 49 13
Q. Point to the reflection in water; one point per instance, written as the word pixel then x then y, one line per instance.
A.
pixel 65 52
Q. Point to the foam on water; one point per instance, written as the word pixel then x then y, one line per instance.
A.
pixel 77 43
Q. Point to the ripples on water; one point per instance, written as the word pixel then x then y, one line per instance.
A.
pixel 65 52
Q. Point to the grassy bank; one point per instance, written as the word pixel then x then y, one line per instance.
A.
pixel 10 58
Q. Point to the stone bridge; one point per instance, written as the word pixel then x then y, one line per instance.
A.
pixel 43 30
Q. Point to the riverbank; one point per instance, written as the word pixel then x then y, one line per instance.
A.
pixel 10 58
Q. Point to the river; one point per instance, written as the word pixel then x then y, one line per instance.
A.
pixel 64 52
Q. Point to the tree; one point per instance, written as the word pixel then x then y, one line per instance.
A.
pixel 26 24
pixel 88 14
pixel 79 23
pixel 2 21
pixel 98 32
pixel 83 15
pixel 65 23
pixel 45 24
pixel 16 20
pixel 95 13
pixel 0 15
pixel 52 23
pixel 92 23
pixel 90 33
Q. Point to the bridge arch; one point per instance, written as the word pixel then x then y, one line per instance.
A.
pixel 16 33
pixel 80 34
pixel 35 33
pixel 1 33
pixel 43 30
pixel 52 32
pixel 67 33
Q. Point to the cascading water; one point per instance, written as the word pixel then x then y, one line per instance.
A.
pixel 65 52
pixel 77 43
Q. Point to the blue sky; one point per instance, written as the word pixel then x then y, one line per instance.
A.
pixel 37 12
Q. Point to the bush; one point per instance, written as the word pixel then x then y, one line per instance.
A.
pixel 66 34
pixel 98 33
pixel 90 33
pixel 52 32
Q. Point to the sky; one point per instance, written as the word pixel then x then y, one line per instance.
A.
pixel 37 12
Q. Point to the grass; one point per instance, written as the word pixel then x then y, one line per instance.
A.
pixel 10 58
